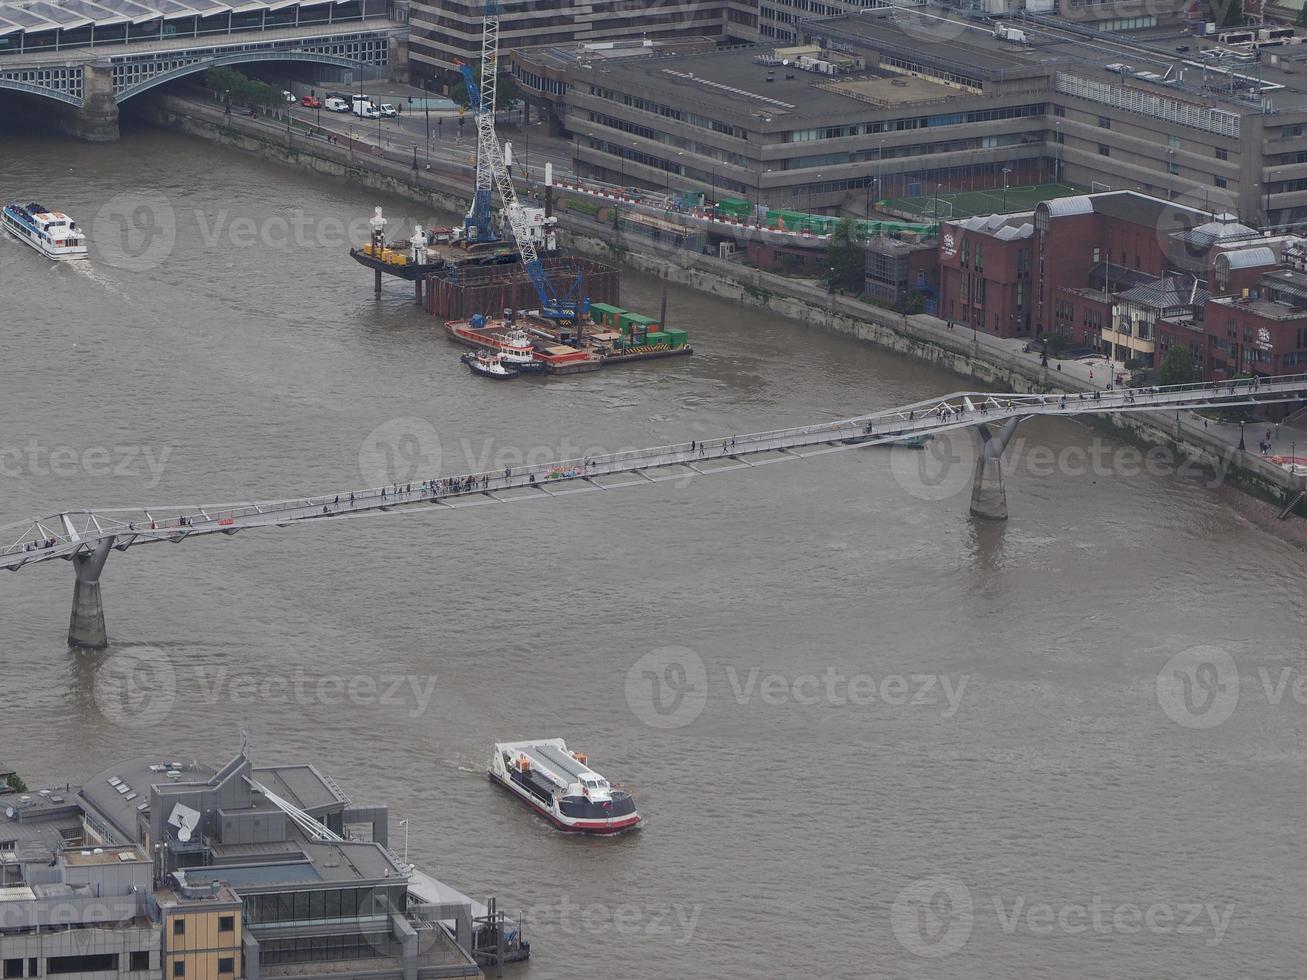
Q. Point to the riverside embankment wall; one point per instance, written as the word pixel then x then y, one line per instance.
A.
pixel 993 364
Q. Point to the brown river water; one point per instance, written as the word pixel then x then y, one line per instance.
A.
pixel 871 736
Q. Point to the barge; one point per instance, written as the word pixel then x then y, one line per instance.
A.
pixel 560 785
pixel 436 252
pixel 603 335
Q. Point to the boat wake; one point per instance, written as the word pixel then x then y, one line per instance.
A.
pixel 88 271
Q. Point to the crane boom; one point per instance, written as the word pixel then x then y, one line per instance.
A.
pixel 492 173
pixel 477 225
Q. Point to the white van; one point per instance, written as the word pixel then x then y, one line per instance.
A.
pixel 336 105
pixel 366 110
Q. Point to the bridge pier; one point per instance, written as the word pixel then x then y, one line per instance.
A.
pixel 97 119
pixel 988 496
pixel 86 625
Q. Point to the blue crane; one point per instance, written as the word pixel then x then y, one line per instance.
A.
pixel 492 173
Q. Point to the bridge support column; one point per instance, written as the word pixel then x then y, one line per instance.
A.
pixel 86 625
pixel 988 496
pixel 97 120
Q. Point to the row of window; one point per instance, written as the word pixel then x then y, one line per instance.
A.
pixel 324 906
pixel 669 112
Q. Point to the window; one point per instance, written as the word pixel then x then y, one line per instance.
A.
pixel 1222 153
pixel 81 964
pixel 179 927
pixel 1173 142
pixel 13 968
pixel 1104 150
pixel 1172 167
pixel 1059 110
pixel 140 960
pixel 179 968
pixel 226 923
pixel 226 964
pixel 1104 122
pixel 1220 181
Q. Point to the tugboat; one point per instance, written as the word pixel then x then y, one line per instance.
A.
pixel 52 233
pixel 489 365
pixel 517 352
pixel 560 786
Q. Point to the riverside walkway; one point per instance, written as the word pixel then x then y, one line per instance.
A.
pixel 85 537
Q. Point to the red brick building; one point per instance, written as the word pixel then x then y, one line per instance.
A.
pixel 1038 272
pixel 1263 332
pixel 985 273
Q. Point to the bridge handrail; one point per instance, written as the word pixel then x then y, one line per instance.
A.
pixel 886 424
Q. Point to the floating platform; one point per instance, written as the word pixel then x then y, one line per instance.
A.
pixel 563 350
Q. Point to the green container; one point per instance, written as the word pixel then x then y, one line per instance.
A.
pixel 658 337
pixel 676 338
pixel 605 314
pixel 733 206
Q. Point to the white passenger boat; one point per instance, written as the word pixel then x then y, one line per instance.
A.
pixel 52 233
pixel 560 786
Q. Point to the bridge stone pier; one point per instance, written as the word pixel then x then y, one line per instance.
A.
pixel 86 625
pixel 96 121
pixel 988 496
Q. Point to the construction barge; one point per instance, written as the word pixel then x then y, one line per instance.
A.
pixel 441 252
pixel 602 335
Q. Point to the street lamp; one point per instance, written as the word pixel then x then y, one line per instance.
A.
pixel 1006 171
pixel 1241 444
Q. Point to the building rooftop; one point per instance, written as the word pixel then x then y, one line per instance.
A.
pixel 1168 293
pixel 1197 71
pixel 1005 227
pixel 302 785
pixel 122 793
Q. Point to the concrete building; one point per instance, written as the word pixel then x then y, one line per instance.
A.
pixel 443 34
pixel 896 268
pixel 158 869
pixel 893 102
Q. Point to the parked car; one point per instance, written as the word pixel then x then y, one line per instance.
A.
pixel 311 102
pixel 289 97
pixel 387 110
pixel 336 105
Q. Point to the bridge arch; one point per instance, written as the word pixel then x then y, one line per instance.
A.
pixel 240 58
pixel 68 90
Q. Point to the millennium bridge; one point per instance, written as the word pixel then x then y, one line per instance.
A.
pixel 87 537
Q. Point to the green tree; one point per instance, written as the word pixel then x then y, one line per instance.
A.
pixel 1177 367
pixel 846 256
pixel 506 89
pixel 1229 13
pixel 241 89
pixel 16 784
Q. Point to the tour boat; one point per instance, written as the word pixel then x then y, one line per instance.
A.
pixel 489 365
pixel 560 786
pixel 517 352
pixel 52 233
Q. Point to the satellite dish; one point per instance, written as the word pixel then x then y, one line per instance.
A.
pixel 785 62
pixel 9 812
pixel 184 834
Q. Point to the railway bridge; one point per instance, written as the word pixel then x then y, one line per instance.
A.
pixel 86 538
pixel 87 57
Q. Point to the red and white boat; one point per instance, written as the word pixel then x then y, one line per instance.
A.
pixel 560 786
